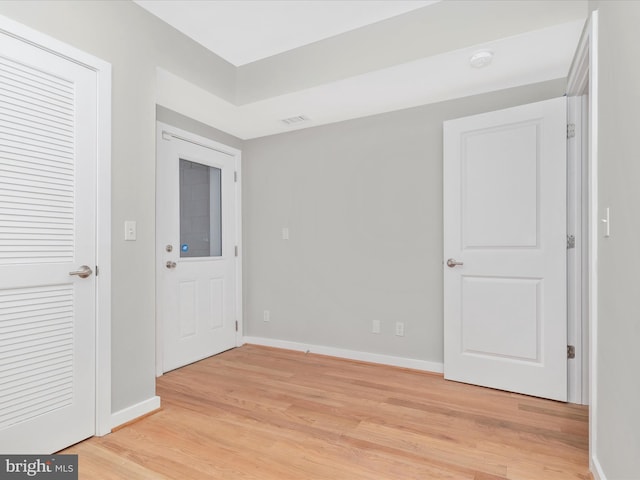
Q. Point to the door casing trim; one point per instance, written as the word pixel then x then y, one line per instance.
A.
pixel 577 257
pixel 583 78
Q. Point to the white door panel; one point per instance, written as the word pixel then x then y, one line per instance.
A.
pixel 48 112
pixel 505 220
pixel 196 278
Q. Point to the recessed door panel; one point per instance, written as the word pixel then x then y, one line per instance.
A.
pixel 216 303
pixel 188 307
pixel 500 191
pixel 501 318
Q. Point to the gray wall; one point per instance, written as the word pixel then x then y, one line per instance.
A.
pixel 135 43
pixel 363 202
pixel 618 389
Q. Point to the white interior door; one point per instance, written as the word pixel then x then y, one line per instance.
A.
pixel 505 224
pixel 48 115
pixel 196 248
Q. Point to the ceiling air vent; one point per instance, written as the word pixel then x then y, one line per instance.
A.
pixel 293 120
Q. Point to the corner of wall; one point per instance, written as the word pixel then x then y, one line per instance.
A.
pixel 134 412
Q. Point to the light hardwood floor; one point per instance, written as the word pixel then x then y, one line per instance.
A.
pixel 268 414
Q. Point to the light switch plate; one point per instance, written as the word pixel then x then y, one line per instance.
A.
pixel 375 326
pixel 130 230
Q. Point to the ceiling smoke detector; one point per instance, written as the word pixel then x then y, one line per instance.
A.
pixel 296 119
pixel 481 59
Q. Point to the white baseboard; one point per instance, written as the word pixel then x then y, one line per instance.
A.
pixel 134 411
pixel 596 469
pixel 424 365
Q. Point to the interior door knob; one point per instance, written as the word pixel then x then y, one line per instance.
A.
pixel 83 272
pixel 452 262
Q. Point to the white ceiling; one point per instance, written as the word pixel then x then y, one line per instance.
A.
pixel 243 31
pixel 535 45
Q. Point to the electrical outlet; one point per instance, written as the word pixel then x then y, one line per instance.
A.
pixel 266 316
pixel 375 326
pixel 285 233
pixel 400 329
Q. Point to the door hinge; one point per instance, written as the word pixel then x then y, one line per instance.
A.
pixel 571 130
pixel 236 250
pixel 97 271
pixel 235 176
pixel 571 241
pixel 236 325
pixel 571 351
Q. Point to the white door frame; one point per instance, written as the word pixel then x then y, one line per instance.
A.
pixel 583 79
pixel 164 130
pixel 577 261
pixel 103 206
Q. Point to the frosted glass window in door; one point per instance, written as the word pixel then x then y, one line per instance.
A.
pixel 200 210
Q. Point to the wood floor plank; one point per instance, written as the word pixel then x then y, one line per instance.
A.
pixel 259 413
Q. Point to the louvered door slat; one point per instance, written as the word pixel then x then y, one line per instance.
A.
pixel 37 134
pixel 34 303
pixel 35 197
pixel 45 80
pixel 47 322
pixel 33 89
pixel 14 77
pixel 61 221
pixel 37 205
pixel 15 147
pixel 30 359
pixel 61 164
pixel 42 123
pixel 21 208
pixel 35 387
pixel 22 101
pixel 28 367
pixel 31 139
pixel 11 170
pixel 37 96
pixel 34 139
pixel 25 189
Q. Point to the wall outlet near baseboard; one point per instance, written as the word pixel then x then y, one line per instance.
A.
pixel 400 329
pixel 266 316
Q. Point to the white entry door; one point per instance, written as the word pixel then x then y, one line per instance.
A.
pixel 505 249
pixel 196 247
pixel 48 115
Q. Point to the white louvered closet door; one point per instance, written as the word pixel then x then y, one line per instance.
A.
pixel 47 230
